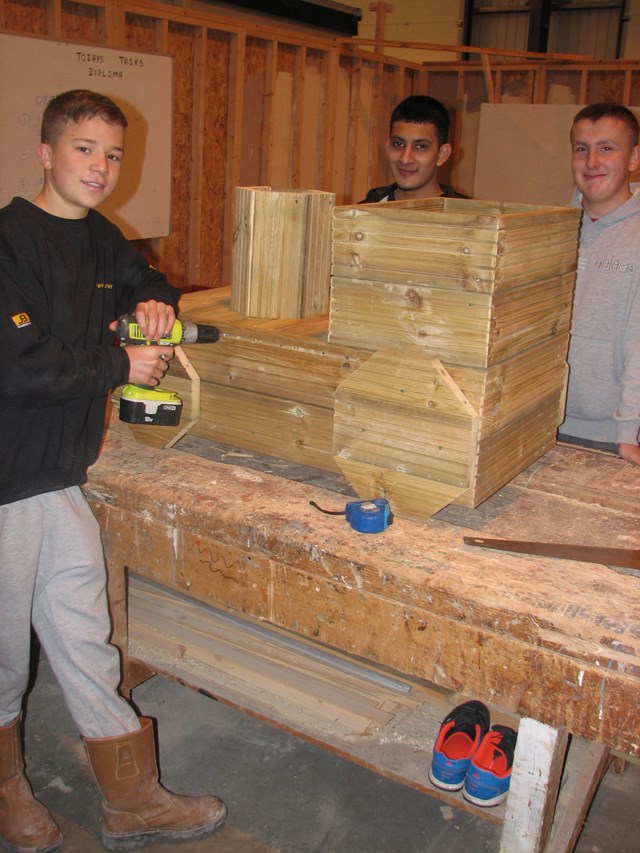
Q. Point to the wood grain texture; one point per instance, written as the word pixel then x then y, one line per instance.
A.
pixel 552 639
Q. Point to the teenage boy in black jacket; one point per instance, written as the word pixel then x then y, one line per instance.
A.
pixel 66 274
pixel 417 146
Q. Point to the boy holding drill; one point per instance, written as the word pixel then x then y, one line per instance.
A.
pixel 66 274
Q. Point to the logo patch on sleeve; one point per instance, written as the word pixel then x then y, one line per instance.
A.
pixel 21 319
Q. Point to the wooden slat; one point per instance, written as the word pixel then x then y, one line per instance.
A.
pixel 197 144
pixel 484 51
pixel 581 779
pixel 235 106
pixel 281 252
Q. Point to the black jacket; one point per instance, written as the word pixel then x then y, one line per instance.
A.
pixel 62 281
pixel 381 193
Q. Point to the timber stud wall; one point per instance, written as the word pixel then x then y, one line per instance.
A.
pixel 260 103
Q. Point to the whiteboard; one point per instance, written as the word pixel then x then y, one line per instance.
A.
pixel 34 70
pixel 524 153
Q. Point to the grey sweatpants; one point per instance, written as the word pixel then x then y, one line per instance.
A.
pixel 52 575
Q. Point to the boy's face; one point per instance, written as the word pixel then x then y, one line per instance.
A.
pixel 603 156
pixel 82 167
pixel 414 156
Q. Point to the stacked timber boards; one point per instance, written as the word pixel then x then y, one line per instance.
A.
pixel 466 307
pixel 446 375
pixel 281 252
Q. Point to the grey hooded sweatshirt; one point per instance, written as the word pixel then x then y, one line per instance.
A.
pixel 603 399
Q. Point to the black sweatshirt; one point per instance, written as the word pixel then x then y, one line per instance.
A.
pixel 62 281
pixel 388 193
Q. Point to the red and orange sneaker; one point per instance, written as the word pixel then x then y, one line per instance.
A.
pixel 489 773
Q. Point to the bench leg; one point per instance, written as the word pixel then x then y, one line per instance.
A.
pixel 535 781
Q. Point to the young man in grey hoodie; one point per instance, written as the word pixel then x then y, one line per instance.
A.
pixel 603 399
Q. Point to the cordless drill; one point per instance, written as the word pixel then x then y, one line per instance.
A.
pixel 143 404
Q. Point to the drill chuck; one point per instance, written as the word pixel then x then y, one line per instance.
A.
pixel 196 333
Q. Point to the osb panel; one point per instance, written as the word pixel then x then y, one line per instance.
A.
pixel 515 87
pixel 250 173
pixel 140 32
pixel 286 57
pixel 444 87
pixel 392 91
pixel 214 157
pixel 138 543
pixel 80 22
pixel 26 17
pixel 284 125
pixel 463 161
pixel 366 92
pixel 605 86
pixel 181 43
pixel 530 681
pixel 255 55
pixel 563 87
pixel 314 94
pixel 340 131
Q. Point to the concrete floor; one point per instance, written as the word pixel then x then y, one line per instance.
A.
pixel 284 795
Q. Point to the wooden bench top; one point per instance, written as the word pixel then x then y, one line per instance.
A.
pixel 555 640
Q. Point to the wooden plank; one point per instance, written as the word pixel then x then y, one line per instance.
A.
pixel 275 365
pixel 328 128
pixel 580 782
pixel 402 416
pixel 485 51
pixel 197 143
pixel 471 329
pixel 488 78
pixel 285 428
pixel 269 112
pixel 353 123
pixel 297 154
pixel 603 481
pixel 235 107
pixel 519 398
pixel 537 770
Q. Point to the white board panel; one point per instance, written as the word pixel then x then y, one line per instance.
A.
pixel 34 70
pixel 524 153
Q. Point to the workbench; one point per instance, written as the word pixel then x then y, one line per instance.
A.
pixel 361 643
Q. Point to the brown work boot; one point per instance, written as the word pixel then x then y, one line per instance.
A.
pixel 135 806
pixel 26 825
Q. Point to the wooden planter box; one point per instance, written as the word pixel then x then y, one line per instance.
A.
pixel 468 305
pixel 470 282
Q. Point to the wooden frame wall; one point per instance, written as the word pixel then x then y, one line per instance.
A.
pixel 258 103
